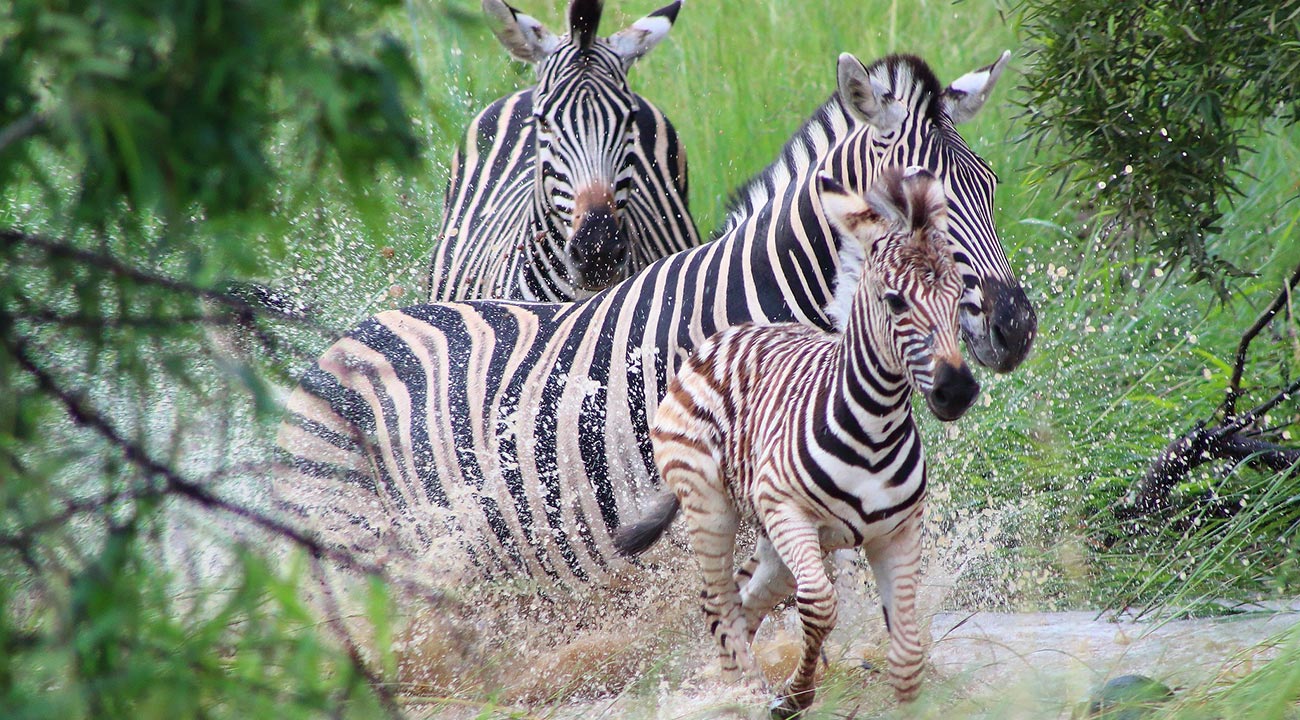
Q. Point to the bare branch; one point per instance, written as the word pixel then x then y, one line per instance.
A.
pixel 1198 447
pixel 175 484
pixel 262 302
pixel 1234 385
pixel 334 619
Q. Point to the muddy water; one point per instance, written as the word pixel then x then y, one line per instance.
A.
pixel 655 661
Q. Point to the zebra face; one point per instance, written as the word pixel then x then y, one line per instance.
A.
pixel 905 306
pixel 585 130
pixel 586 134
pixel 908 119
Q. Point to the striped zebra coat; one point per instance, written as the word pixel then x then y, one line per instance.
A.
pixel 810 435
pixel 564 188
pixel 515 436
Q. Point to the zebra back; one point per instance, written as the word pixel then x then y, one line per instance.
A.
pixel 565 188
pixel 527 424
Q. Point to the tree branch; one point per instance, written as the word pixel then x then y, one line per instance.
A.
pixel 1234 385
pixel 1198 447
pixel 175 484
pixel 21 129
pixel 263 300
pixel 334 618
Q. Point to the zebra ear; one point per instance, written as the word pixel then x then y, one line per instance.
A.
pixel 966 95
pixel 641 36
pixel 524 36
pixel 866 97
pixel 846 210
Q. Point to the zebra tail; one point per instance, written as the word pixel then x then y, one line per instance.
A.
pixel 636 538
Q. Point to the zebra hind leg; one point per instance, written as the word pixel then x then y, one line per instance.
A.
pixel 711 521
pixel 797 543
pixel 895 562
pixel 764 582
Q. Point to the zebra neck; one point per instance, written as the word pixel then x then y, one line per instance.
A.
pixel 776 228
pixel 871 393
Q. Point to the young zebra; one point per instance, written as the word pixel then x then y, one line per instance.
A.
pixel 569 186
pixel 811 433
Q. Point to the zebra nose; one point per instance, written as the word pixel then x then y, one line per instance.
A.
pixel 598 249
pixel 953 391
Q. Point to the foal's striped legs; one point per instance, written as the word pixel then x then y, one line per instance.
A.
pixel 896 563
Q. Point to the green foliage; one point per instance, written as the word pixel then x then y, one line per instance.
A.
pixel 1150 105
pixel 147 152
pixel 112 640
pixel 170 108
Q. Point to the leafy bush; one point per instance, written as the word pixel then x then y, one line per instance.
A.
pixel 1151 105
pixel 145 151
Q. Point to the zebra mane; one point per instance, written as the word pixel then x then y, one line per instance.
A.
pixel 584 18
pixel 853 257
pixel 908 77
pixel 917 239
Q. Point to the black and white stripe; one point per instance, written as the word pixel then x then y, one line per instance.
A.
pixel 567 187
pixel 519 432
pixel 809 435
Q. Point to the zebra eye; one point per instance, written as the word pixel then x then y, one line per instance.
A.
pixel 542 123
pixel 896 303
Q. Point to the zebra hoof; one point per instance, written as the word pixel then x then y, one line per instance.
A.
pixel 785 706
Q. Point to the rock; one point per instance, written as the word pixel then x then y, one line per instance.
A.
pixel 1128 697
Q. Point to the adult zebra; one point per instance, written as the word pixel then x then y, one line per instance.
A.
pixel 567 187
pixel 519 432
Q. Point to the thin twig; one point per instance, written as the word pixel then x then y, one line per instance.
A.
pixel 334 619
pixel 112 265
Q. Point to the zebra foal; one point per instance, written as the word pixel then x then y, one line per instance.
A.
pixel 811 433
pixel 564 188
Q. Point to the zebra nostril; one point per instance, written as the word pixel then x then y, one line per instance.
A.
pixel 998 336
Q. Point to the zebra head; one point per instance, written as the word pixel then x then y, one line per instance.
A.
pixel 905 118
pixel 904 304
pixel 584 125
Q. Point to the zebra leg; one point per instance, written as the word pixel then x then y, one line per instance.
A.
pixel 895 561
pixel 797 543
pixel 764 581
pixel 711 521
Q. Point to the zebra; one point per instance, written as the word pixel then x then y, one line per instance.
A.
pixel 514 436
pixel 810 433
pixel 564 188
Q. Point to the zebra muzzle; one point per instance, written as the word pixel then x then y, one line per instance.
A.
pixel 953 392
pixel 598 249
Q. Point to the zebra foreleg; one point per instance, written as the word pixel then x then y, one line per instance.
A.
pixel 764 582
pixel 895 561
pixel 797 543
